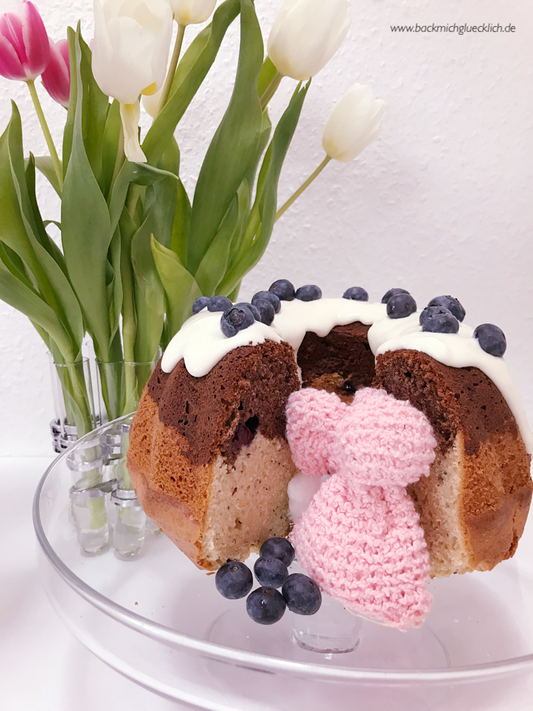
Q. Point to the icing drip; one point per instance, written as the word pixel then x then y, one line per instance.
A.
pixel 201 343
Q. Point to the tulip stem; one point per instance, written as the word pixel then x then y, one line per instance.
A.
pixel 302 187
pixel 271 90
pixel 172 68
pixel 47 135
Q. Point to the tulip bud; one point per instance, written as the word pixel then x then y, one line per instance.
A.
pixel 353 123
pixel 130 54
pixel 306 34
pixel 192 12
pixel 56 77
pixel 24 44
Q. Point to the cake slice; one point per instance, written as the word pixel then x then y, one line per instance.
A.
pixel 208 456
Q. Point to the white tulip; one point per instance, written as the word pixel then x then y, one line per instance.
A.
pixel 152 102
pixel 130 55
pixel 306 34
pixel 353 123
pixel 130 115
pixel 192 12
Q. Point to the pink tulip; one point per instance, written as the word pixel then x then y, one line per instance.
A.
pixel 24 44
pixel 56 76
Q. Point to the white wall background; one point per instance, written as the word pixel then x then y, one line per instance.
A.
pixel 441 203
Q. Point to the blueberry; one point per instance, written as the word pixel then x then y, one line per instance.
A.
pixel 401 306
pixel 450 303
pixel 392 292
pixel 250 307
pixel 265 605
pixel 491 338
pixel 438 319
pixel 283 289
pixel 269 296
pixel 219 303
pixel 271 571
pixel 309 292
pixel 278 547
pixel 200 303
pixel 234 580
pixel 301 594
pixel 236 319
pixel 356 293
pixel 266 311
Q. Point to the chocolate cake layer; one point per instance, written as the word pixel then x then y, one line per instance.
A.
pixel 245 393
pixel 451 398
pixel 340 362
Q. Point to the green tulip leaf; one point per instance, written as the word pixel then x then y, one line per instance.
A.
pixel 11 261
pixel 182 225
pixel 161 198
pixel 41 233
pixel 86 226
pixel 23 232
pixel 119 192
pixel 149 295
pixel 234 146
pixel 243 199
pixel 113 148
pixel 93 109
pixel 46 166
pixel 268 72
pixel 190 74
pixel 21 297
pixel 263 214
pixel 180 287
pixel 213 266
pixel 114 282
pixel 145 174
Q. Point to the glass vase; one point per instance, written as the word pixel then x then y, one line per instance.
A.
pixel 129 524
pixel 75 414
pixel 120 386
pixel 88 509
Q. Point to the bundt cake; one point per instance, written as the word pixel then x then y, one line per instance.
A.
pixel 208 455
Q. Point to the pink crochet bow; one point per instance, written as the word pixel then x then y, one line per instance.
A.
pixel 360 538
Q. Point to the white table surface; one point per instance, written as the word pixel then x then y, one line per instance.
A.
pixel 44 667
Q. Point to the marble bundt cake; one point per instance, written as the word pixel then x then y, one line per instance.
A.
pixel 208 456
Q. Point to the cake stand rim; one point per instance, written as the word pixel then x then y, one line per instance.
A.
pixel 161 633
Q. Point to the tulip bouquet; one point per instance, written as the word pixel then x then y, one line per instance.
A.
pixel 136 250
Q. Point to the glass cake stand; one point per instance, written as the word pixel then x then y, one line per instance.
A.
pixel 159 621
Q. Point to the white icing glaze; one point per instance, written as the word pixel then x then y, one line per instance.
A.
pixel 201 343
pixel 296 317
